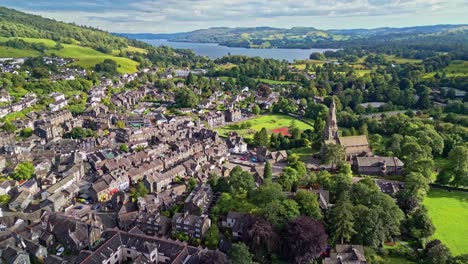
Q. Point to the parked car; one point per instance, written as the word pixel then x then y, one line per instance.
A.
pixel 79 207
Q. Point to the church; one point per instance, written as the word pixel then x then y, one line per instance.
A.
pixel 354 146
pixel 358 152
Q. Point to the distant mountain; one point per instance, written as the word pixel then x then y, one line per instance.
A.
pixel 296 37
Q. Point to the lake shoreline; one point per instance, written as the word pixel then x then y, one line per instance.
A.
pixel 215 50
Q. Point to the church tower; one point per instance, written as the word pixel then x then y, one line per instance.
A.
pixel 330 133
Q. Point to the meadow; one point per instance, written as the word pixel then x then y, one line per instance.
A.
pixel 449 213
pixel 84 56
pixel 270 122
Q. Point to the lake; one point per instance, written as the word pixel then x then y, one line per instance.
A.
pixel 214 51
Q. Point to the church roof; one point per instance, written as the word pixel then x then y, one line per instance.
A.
pixel 354 141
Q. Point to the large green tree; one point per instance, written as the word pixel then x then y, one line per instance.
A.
pixel 240 254
pixel 342 218
pixel 24 171
pixel 308 204
pixel 332 154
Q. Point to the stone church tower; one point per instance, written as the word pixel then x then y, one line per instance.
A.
pixel 330 134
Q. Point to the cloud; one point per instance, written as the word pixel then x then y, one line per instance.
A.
pixel 183 15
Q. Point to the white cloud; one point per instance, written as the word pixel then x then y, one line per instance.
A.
pixel 184 15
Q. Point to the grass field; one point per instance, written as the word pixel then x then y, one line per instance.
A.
pixel 269 122
pixel 449 213
pixel 456 68
pixel 86 57
pixel 401 60
pixel 273 81
pixel 7 52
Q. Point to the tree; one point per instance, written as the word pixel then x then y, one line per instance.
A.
pixel 108 67
pixel 317 56
pixel 261 238
pixel 288 178
pixel 261 138
pixel 342 225
pixel 266 193
pixel 186 98
pixel 255 110
pixel 417 185
pixel 437 253
pixel 240 254
pixel 124 148
pixel 120 124
pixel 25 133
pixel 279 212
pixel 304 240
pixel 8 127
pixel 458 158
pixel 267 171
pixel 332 154
pixel 418 224
pixel 308 204
pixel 139 191
pixel 263 90
pixel 240 181
pixel 213 257
pixel 212 237
pixel 4 199
pixel 24 171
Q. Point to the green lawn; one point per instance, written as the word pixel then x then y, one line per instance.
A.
pixel 270 122
pixel 7 52
pixel 449 213
pixel 273 81
pixel 84 56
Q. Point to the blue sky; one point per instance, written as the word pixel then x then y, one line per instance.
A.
pixel 185 15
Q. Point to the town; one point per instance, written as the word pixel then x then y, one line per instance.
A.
pixel 130 153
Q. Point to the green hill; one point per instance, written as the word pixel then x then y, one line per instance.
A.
pixel 26 35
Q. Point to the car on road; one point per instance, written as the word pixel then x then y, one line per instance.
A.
pixel 96 207
pixel 79 207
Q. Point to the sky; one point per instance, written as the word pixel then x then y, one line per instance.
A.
pixel 167 16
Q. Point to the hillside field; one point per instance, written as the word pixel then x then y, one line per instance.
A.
pixel 84 56
pixel 449 213
pixel 270 122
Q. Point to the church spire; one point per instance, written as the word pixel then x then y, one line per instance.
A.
pixel 331 128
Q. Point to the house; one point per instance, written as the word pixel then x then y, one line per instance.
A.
pixel 390 187
pixel 194 226
pixel 73 233
pixel 237 222
pixel 346 254
pixel 323 197
pixel 279 156
pixel 136 247
pixel 14 255
pixel 199 200
pixel 109 184
pixel 20 201
pixel 379 166
pixel 236 143
pixel 153 224
pixel 233 115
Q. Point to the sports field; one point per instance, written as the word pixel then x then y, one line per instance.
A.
pixel 270 122
pixel 449 213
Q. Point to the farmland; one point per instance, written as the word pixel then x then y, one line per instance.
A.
pixel 270 122
pixel 449 212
